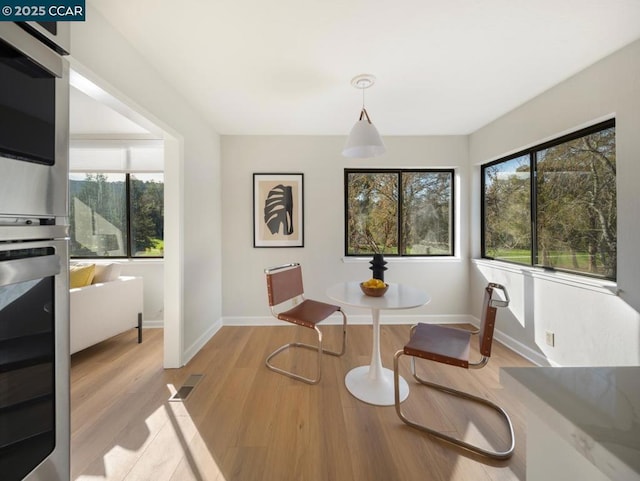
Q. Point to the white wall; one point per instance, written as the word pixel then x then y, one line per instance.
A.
pixel 319 159
pixel 592 325
pixel 192 181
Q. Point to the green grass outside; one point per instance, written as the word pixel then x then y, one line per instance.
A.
pixel 156 251
pixel 556 259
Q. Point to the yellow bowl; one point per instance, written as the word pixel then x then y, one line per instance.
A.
pixel 374 291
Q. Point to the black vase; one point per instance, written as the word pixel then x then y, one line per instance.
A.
pixel 378 266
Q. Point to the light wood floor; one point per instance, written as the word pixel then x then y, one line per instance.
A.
pixel 246 423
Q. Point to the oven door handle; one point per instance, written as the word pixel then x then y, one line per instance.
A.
pixel 29 269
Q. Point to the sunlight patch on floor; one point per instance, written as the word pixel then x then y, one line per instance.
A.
pixel 171 449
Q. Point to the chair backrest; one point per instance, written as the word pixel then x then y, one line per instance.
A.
pixel 488 319
pixel 284 283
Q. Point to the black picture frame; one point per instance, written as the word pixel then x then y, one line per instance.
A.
pixel 278 210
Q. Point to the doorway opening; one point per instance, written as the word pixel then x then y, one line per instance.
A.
pixel 109 137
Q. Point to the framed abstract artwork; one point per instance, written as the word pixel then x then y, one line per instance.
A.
pixel 278 210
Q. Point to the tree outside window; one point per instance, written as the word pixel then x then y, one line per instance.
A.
pixel 116 215
pixel 570 201
pixel 507 210
pixel 399 212
pixel 147 215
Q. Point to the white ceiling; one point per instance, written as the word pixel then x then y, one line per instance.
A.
pixel 443 66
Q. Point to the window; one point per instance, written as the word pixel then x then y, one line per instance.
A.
pixel 116 214
pixel 399 212
pixel 554 205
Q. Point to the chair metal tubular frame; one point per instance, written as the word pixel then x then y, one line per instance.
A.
pixel 500 455
pixel 319 348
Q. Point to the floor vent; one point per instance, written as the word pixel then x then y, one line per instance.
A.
pixel 186 389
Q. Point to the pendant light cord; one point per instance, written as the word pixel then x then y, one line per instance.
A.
pixel 363 82
pixel 363 112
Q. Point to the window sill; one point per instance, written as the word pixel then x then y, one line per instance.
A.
pixel 400 260
pixel 118 260
pixel 602 286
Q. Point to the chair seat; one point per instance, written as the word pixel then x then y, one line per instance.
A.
pixel 308 313
pixel 441 344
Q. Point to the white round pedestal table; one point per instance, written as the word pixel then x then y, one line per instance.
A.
pixel 373 384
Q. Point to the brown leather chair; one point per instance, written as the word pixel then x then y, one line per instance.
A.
pixel 451 346
pixel 284 284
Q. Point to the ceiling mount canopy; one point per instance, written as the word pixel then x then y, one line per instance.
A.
pixel 364 140
pixel 363 81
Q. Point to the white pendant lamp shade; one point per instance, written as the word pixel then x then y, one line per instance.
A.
pixel 364 140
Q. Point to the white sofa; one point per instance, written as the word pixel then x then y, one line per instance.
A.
pixel 103 309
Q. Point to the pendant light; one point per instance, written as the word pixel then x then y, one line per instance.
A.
pixel 364 140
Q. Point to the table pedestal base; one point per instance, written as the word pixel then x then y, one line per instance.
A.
pixel 377 389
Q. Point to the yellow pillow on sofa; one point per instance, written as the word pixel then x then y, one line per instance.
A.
pixel 81 275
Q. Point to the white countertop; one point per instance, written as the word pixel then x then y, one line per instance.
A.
pixel 595 409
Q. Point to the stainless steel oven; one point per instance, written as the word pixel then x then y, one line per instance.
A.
pixel 34 285
pixel 54 34
pixel 34 126
pixel 34 357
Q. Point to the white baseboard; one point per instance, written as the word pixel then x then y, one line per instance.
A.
pixel 499 336
pixel 194 348
pixel 526 352
pixel 352 319
pixel 157 324
pixel 517 347
pixel 362 319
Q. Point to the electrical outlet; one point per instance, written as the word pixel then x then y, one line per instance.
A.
pixel 550 338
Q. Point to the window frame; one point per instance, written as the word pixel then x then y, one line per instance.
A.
pixel 399 172
pixel 532 153
pixel 128 209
